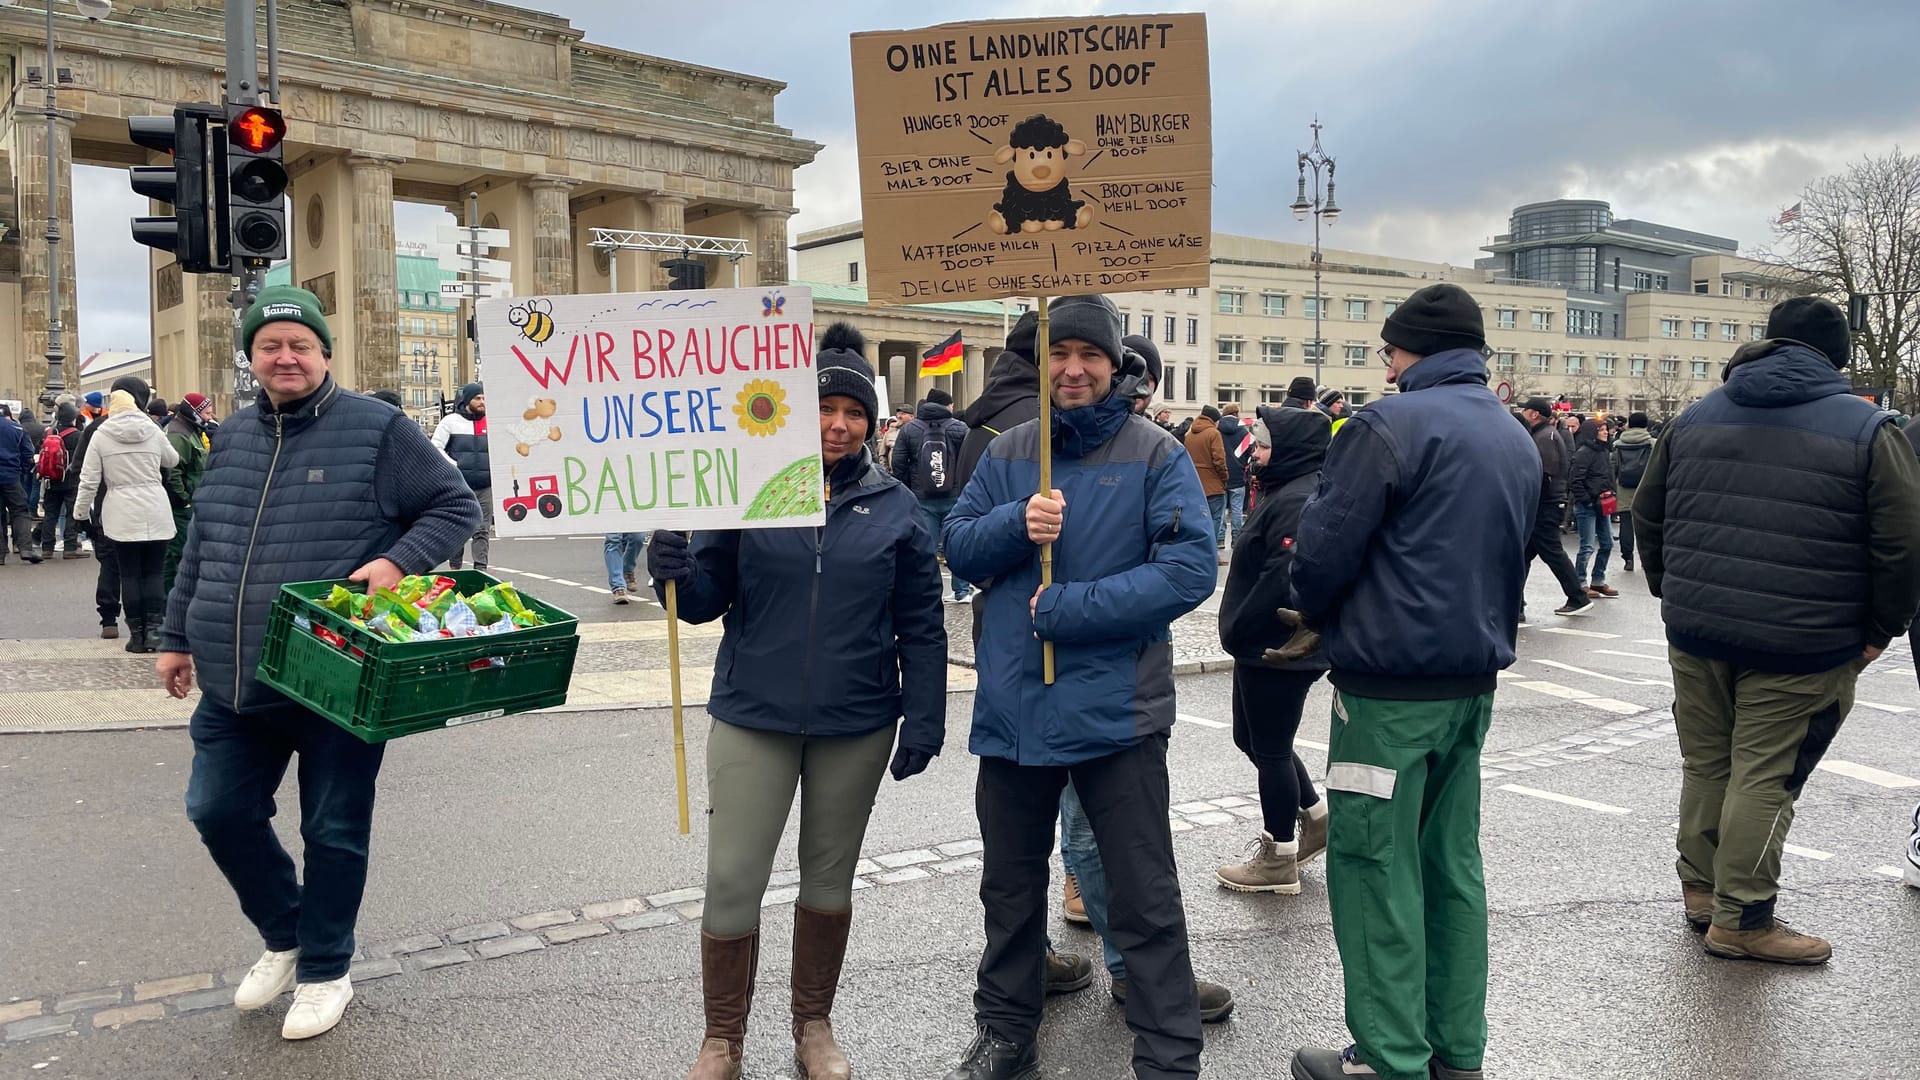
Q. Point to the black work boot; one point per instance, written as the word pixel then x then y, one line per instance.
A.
pixel 1067 972
pixel 1440 1070
pixel 993 1058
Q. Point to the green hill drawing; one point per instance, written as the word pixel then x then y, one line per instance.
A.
pixel 794 491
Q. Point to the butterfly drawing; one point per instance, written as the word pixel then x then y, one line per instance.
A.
pixel 772 304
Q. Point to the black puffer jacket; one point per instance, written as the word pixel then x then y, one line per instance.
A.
pixel 1258 579
pixel 1553 464
pixel 1011 398
pixel 1592 472
pixel 836 630
pixel 930 420
pixel 310 492
pixel 1232 433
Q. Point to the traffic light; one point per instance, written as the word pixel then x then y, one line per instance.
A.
pixel 1857 312
pixel 256 202
pixel 192 137
pixel 686 274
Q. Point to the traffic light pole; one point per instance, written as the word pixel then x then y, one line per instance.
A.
pixel 242 88
pixel 56 327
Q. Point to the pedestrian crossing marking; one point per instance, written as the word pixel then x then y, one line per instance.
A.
pixel 1877 777
pixel 1655 642
pixel 1808 853
pixel 1571 632
pixel 531 574
pixel 1894 709
pixel 1570 800
pixel 1309 742
pixel 564 581
pixel 1603 675
pixel 1620 708
pixel 1189 718
pixel 1635 655
pixel 1890 871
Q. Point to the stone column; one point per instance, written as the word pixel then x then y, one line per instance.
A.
pixel 376 297
pixel 770 245
pixel 669 216
pixel 30 144
pixel 552 236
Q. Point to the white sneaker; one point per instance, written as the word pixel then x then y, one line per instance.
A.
pixel 270 976
pixel 316 1008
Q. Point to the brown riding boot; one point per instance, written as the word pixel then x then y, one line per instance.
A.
pixel 727 967
pixel 819 947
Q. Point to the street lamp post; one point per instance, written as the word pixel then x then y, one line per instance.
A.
pixel 56 327
pixel 1317 161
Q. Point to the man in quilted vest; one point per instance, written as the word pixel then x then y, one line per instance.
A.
pixel 311 482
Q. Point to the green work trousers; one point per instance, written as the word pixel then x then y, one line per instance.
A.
pixel 751 778
pixel 1749 739
pixel 1404 879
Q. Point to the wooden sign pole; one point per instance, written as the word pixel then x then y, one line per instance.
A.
pixel 673 679
pixel 1043 350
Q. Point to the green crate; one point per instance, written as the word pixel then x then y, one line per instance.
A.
pixel 399 688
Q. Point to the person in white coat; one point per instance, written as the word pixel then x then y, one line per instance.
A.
pixel 126 458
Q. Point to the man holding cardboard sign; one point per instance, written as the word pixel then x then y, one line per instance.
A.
pixel 1134 551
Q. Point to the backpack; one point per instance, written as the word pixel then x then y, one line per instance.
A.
pixel 936 475
pixel 1633 464
pixel 53 455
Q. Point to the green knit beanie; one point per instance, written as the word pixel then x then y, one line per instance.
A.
pixel 285 303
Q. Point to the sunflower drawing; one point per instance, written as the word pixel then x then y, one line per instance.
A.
pixel 762 407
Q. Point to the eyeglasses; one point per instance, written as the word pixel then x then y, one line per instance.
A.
pixel 1385 353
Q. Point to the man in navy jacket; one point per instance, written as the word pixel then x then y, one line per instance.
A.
pixel 1133 550
pixel 1410 560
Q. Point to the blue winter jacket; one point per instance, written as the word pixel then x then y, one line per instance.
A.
pixel 1411 556
pixel 836 630
pixel 1136 553
pixel 309 492
pixel 16 453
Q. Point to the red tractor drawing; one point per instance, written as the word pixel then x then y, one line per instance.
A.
pixel 545 498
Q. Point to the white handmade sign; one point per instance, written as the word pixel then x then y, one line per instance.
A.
pixel 636 411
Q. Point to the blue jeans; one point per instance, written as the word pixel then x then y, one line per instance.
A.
pixel 33 490
pixel 934 512
pixel 238 764
pixel 1237 508
pixel 623 556
pixel 1082 857
pixel 1592 524
pixel 1217 506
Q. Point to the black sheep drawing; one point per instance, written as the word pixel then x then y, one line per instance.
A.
pixel 1037 196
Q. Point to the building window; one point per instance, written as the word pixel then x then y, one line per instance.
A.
pixel 1746 290
pixel 1312 304
pixel 1193 331
pixel 1543 320
pixel 1669 367
pixel 1357 398
pixel 1660 282
pixel 1193 292
pixel 1167 329
pixel 1229 392
pixel 1700 329
pixel 1273 395
pixel 1274 304
pixel 1637 367
pixel 1272 351
pixel 1229 350
pixel 1699 369
pixel 1146 326
pixel 1542 363
pixel 1356 355
pixel 1388 307
pixel 1701 286
pixel 1507 318
pixel 1126 323
pixel 1357 310
pixel 1575 362
pixel 1231 303
pixel 1669 327
pixel 1604 404
pixel 1755 331
pixel 1315 350
pixel 1193 385
pixel 1608 365
pixel 853 273
pixel 1729 331
pixel 1170 382
pixel 1642 281
pixel 1170 292
pixel 1505 362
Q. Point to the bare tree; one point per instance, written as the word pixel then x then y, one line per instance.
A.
pixel 1665 388
pixel 1586 389
pixel 1858 231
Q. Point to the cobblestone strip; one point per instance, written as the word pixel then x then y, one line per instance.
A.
pixel 83 1012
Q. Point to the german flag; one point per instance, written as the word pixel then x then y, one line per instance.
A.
pixel 945 357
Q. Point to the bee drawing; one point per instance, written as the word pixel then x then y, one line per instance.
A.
pixel 772 304
pixel 535 320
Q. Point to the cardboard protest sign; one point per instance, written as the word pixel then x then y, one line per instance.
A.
pixel 639 411
pixel 1034 157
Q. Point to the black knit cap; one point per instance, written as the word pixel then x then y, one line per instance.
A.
pixel 1022 338
pixel 136 388
pixel 1435 319
pixel 842 364
pixel 1302 388
pixel 1815 322
pixel 1092 319
pixel 939 397
pixel 1148 352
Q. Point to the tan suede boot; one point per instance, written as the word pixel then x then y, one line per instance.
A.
pixel 819 947
pixel 727 967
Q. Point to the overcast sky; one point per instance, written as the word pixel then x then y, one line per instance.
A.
pixel 1708 116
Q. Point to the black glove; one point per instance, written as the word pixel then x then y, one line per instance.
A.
pixel 668 558
pixel 1304 642
pixel 910 762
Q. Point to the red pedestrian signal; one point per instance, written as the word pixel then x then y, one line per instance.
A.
pixel 257 130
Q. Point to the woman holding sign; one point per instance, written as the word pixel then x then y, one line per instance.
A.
pixel 832 635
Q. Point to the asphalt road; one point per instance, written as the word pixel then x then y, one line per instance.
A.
pixel 104 887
